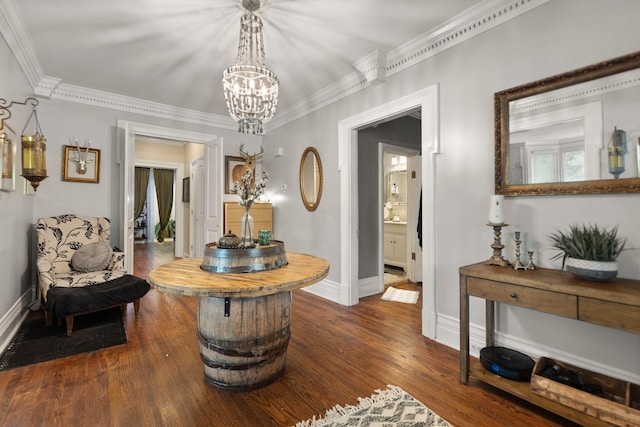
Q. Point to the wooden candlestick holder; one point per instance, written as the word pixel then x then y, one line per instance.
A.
pixel 517 264
pixel 497 246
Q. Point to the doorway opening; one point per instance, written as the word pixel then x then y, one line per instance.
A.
pixel 128 135
pixel 386 225
pixel 427 101
pixel 161 156
pixel 399 196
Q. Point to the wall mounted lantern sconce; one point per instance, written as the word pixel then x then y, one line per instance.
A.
pixel 34 148
pixel 617 150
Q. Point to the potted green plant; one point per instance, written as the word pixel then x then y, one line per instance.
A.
pixel 589 251
pixel 167 233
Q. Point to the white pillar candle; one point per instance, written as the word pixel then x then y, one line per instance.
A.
pixel 496 211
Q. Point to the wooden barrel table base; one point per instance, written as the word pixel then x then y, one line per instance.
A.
pixel 243 318
pixel 245 350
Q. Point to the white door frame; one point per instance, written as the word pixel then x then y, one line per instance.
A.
pixel 427 100
pixel 196 202
pixel 414 246
pixel 127 133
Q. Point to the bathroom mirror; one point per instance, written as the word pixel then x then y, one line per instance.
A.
pixel 397 187
pixel 8 148
pixel 573 133
pixel 310 178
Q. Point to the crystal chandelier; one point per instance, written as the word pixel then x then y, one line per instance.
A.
pixel 250 88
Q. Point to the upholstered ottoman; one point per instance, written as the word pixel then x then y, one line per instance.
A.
pixel 69 302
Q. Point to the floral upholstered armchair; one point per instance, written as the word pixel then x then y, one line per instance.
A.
pixel 78 272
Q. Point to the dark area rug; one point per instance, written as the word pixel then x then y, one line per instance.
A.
pixel 35 343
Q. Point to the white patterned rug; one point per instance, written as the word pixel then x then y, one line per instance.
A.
pixel 400 295
pixel 387 408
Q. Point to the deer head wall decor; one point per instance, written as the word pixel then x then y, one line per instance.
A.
pixel 81 157
pixel 249 163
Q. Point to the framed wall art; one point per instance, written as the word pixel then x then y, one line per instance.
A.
pixel 186 189
pixel 81 164
pixel 8 151
pixel 230 164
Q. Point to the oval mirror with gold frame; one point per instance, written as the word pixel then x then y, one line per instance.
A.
pixel 573 133
pixel 310 178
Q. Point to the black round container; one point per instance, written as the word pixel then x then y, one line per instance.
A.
pixel 507 363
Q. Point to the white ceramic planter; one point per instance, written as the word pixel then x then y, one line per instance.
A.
pixel 596 271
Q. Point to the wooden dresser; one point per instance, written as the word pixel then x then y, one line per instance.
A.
pixel 615 304
pixel 262 214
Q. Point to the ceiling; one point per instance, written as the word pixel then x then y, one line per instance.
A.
pixel 173 52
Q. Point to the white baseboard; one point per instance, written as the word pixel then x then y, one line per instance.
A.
pixel 326 289
pixel 12 320
pixel 369 286
pixel 448 333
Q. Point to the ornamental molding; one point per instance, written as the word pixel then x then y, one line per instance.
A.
pixel 472 22
pixel 372 69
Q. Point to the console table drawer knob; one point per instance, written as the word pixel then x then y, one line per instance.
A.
pixel 513 295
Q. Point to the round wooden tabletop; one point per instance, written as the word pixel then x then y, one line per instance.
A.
pixel 185 277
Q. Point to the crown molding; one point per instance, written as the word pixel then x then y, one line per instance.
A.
pixel 13 33
pixel 46 86
pixel 344 87
pixel 577 92
pixel 372 69
pixel 83 95
pixel 470 23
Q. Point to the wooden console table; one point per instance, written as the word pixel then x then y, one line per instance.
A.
pixel 243 318
pixel 615 304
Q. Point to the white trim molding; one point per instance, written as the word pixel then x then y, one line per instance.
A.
pixel 326 289
pixel 11 321
pixel 427 100
pixel 449 335
pixel 377 67
pixel 373 68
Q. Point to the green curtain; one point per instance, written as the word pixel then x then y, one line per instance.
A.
pixel 142 182
pixel 164 194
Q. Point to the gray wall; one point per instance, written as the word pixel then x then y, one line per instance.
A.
pixel 16 234
pixel 59 121
pixel 558 36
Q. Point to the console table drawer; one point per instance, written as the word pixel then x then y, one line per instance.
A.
pixel 615 315
pixel 536 299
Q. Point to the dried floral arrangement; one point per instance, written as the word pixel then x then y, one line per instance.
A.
pixel 249 192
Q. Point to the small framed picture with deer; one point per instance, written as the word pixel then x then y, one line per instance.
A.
pixel 81 164
pixel 233 169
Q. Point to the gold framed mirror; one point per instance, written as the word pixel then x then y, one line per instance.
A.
pixel 310 178
pixel 573 133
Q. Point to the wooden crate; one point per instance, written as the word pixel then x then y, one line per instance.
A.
pixel 620 405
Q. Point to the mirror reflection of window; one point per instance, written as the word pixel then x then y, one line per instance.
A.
pixel 551 151
pixel 555 163
pixel 543 167
pixel 573 165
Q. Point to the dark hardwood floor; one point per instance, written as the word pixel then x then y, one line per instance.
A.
pixel 336 354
